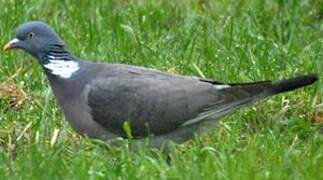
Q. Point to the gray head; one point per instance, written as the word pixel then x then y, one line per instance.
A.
pixel 39 40
pixel 36 38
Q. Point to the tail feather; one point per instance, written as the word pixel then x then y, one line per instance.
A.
pixel 235 96
pixel 293 83
pixel 271 87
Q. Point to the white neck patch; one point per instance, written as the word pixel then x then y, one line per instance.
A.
pixel 62 68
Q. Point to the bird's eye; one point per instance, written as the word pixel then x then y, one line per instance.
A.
pixel 31 35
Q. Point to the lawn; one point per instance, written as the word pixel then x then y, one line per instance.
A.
pixel 225 40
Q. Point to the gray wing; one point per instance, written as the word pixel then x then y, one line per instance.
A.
pixel 151 104
pixel 157 103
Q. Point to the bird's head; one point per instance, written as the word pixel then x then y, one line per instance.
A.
pixel 39 40
pixel 35 38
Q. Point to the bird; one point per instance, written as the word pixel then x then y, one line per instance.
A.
pixel 109 101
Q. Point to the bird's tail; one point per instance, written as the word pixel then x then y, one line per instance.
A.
pixel 268 88
pixel 291 84
pixel 249 92
pixel 238 95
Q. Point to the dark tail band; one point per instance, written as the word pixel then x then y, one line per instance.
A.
pixel 293 83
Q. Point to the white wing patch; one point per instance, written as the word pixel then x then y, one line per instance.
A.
pixel 215 113
pixel 221 86
pixel 62 68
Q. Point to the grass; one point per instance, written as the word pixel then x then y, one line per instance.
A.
pixel 234 41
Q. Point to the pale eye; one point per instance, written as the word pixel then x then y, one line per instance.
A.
pixel 31 35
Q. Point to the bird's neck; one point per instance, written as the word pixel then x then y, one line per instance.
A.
pixel 58 62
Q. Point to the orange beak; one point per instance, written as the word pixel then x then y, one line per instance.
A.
pixel 9 45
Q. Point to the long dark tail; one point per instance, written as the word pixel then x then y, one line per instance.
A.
pixel 293 83
pixel 234 96
pixel 268 88
pixel 244 93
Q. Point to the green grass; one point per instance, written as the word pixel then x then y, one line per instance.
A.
pixel 233 40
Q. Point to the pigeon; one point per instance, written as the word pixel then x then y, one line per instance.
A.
pixel 109 101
